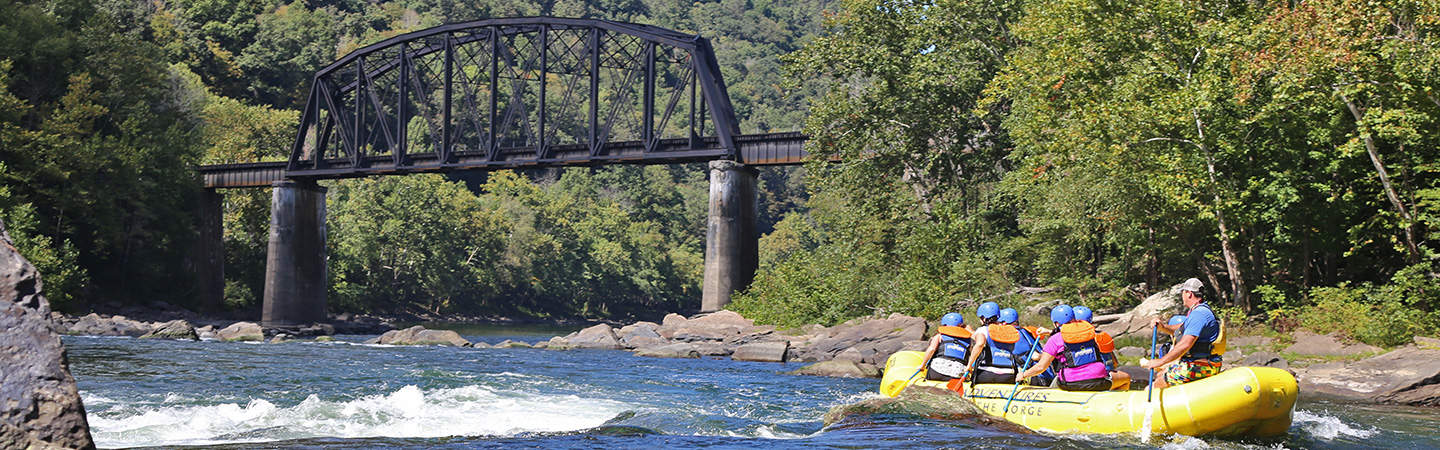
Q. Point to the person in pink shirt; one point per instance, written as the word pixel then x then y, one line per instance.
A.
pixel 1073 345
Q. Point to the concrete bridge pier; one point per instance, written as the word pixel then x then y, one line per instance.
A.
pixel 732 246
pixel 209 259
pixel 295 278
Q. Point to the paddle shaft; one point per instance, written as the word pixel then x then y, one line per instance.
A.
pixel 1029 354
pixel 1150 390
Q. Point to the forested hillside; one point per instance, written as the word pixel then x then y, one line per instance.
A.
pixel 1288 153
pixel 109 106
pixel 1284 152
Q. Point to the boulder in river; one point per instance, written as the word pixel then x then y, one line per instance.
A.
pixel 762 352
pixel 839 368
pixel 241 332
pixel 924 401
pixel 677 350
pixel 670 324
pixel 418 335
pixel 511 344
pixel 874 339
pixel 645 342
pixel 1410 375
pixel 716 326
pixel 206 332
pixel 175 329
pixel 598 337
pixel 1139 319
pixel 41 406
pixel 95 325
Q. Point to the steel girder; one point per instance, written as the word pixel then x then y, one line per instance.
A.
pixel 519 92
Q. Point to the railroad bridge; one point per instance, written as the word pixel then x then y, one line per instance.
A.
pixel 502 94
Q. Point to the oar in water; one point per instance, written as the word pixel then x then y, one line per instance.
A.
pixel 1028 355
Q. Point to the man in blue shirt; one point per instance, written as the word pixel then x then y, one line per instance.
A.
pixel 1196 352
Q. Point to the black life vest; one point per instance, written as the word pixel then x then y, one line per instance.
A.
pixel 1203 349
pixel 954 352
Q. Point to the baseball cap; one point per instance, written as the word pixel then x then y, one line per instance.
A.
pixel 1192 285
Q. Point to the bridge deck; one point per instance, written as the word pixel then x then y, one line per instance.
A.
pixel 773 149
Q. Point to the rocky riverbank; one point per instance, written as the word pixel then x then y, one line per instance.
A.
pixel 1324 365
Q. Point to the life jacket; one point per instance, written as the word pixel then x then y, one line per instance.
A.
pixel 1106 344
pixel 954 352
pixel 1207 350
pixel 1001 348
pixel 1080 345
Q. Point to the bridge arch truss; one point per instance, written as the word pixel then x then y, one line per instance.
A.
pixel 507 93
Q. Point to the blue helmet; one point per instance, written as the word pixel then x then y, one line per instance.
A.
pixel 1083 313
pixel 952 320
pixel 1177 320
pixel 1062 314
pixel 1009 315
pixel 988 310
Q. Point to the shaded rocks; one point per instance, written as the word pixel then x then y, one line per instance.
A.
pixel 1264 359
pixel 241 332
pixel 418 335
pixel 1409 375
pixel 508 344
pixel 762 352
pixel 206 332
pixel 96 325
pixel 600 336
pixel 872 340
pixel 1427 342
pixel 923 401
pixel 677 350
pixel 716 326
pixel 839 368
pixel 175 329
pixel 41 406
pixel 1307 343
pixel 1138 320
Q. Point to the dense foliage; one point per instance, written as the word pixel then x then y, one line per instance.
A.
pixel 1284 151
pixel 108 106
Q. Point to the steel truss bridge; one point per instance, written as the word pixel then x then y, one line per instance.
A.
pixel 516 93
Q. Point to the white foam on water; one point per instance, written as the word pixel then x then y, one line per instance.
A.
pixel 407 412
pixel 1186 443
pixel 1329 427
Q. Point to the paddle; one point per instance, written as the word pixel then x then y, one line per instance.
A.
pixel 1150 390
pixel 1028 355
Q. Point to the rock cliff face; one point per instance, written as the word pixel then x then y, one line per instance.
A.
pixel 39 403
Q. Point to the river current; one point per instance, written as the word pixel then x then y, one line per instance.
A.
pixel 344 394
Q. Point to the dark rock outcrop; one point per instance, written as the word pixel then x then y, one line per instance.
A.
pixel 1410 375
pixel 175 329
pixel 39 404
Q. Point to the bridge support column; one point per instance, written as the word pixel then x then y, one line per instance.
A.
pixel 295 278
pixel 732 246
pixel 210 251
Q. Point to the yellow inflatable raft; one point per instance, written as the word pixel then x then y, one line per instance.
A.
pixel 1242 401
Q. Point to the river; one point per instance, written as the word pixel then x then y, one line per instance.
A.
pixel 349 395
